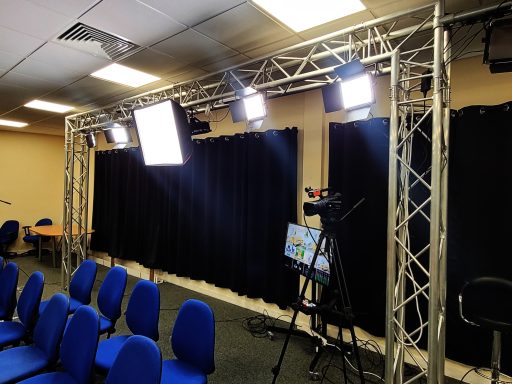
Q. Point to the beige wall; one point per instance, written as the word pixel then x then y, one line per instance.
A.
pixel 31 178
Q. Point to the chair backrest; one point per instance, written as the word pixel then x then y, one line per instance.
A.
pixel 45 221
pixel 50 326
pixel 1 264
pixel 139 361
pixel 111 293
pixel 193 335
pixel 8 285
pixel 11 227
pixel 30 298
pixel 79 344
pixel 81 283
pixel 486 301
pixel 143 310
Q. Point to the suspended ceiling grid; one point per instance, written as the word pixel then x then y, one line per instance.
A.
pixel 175 40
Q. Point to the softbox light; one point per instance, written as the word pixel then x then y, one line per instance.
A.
pixel 164 133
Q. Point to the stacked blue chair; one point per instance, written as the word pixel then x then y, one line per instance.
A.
pixel 193 344
pixel 139 361
pixel 142 314
pixel 110 297
pixel 25 361
pixel 77 351
pixel 13 332
pixel 80 286
pixel 8 285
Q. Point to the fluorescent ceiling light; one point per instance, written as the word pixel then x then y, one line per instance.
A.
pixel 10 123
pixel 124 75
pixel 254 107
pixel 164 133
pixel 300 15
pixel 357 91
pixel 46 106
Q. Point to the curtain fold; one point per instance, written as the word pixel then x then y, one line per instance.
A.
pixel 220 218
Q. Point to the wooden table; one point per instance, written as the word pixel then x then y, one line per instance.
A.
pixel 54 231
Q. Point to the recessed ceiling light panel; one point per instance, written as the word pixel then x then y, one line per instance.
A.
pixel 51 107
pixel 300 15
pixel 11 123
pixel 121 74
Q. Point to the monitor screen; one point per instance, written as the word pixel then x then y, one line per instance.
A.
pixel 299 250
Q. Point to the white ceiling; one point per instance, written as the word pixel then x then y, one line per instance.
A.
pixel 179 40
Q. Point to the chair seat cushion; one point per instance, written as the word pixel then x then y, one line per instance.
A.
pixel 51 378
pixel 176 371
pixel 21 362
pixel 34 239
pixel 105 324
pixel 108 350
pixel 11 332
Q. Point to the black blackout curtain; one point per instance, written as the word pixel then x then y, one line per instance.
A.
pixel 479 218
pixel 221 217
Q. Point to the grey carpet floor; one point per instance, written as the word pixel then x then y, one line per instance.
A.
pixel 240 356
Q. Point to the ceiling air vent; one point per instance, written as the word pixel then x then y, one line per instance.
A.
pixel 96 42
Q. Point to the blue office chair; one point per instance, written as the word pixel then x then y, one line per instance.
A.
pixel 80 286
pixel 25 361
pixel 34 239
pixel 8 285
pixel 110 297
pixel 1 264
pixel 142 314
pixel 12 332
pixel 193 344
pixel 77 351
pixel 8 235
pixel 139 361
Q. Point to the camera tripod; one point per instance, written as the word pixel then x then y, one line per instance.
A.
pixel 344 314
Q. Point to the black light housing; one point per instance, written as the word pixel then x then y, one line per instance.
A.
pixel 90 138
pixel 250 107
pixel 498 46
pixel 198 127
pixel 164 133
pixel 353 93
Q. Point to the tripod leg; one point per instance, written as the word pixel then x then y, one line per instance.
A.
pixel 277 368
pixel 313 374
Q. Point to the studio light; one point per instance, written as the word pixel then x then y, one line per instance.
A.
pixel 353 92
pixel 118 134
pixel 498 46
pixel 90 138
pixel 164 133
pixel 250 107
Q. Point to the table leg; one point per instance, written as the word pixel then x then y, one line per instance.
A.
pixel 53 251
pixel 39 249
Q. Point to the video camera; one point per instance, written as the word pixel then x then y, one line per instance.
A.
pixel 328 205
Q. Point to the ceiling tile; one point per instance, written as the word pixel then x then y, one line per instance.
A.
pixel 31 19
pixel 17 42
pixel 226 63
pixel 202 10
pixel 192 73
pixel 86 91
pixel 36 85
pixel 12 96
pixel 57 75
pixel 192 47
pixel 68 8
pixel 131 20
pixel 243 28
pixel 74 61
pixel 273 47
pixel 8 60
pixel 151 61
